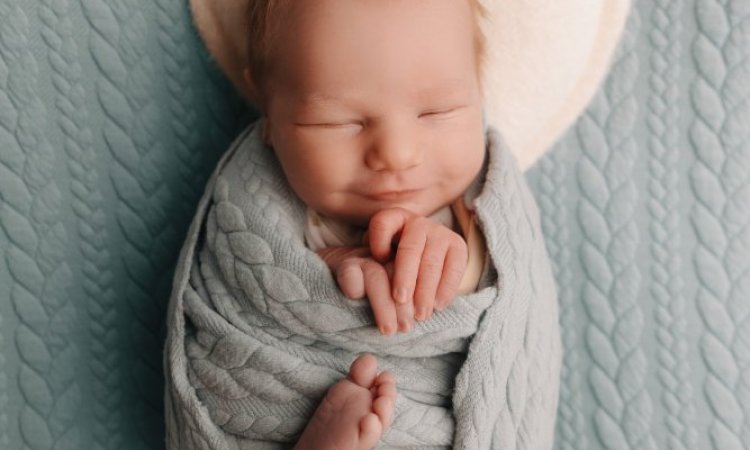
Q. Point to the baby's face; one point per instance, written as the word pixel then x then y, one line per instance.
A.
pixel 375 104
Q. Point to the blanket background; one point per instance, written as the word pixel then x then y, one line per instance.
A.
pixel 111 117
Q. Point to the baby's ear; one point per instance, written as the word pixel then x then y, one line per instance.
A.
pixel 266 134
pixel 249 88
pixel 253 95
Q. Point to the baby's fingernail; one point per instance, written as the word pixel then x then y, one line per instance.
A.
pixel 405 326
pixel 384 329
pixel 401 295
pixel 421 313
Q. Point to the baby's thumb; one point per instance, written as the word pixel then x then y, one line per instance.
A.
pixel 351 279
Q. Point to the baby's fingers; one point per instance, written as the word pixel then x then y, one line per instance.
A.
pixel 430 274
pixel 453 271
pixel 350 278
pixel 404 311
pixel 384 227
pixel 378 289
pixel 407 263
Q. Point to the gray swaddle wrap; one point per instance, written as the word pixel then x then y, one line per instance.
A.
pixel 258 329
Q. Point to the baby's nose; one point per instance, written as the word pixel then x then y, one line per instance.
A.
pixel 396 149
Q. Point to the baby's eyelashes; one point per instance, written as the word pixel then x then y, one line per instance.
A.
pixel 443 112
pixel 332 124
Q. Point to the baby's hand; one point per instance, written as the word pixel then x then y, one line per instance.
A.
pixel 429 263
pixel 357 274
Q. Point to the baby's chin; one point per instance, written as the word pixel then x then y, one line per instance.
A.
pixel 361 217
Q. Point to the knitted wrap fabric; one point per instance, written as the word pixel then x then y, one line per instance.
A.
pixel 258 329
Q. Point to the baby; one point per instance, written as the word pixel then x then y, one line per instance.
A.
pixel 374 110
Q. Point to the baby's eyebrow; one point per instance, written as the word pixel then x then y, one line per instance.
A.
pixel 315 100
pixel 321 99
pixel 453 88
pixel 449 90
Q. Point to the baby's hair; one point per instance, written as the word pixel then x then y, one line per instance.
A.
pixel 260 13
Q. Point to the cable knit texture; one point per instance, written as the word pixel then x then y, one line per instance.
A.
pixel 113 116
pixel 258 330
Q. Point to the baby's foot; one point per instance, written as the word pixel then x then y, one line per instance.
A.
pixel 355 412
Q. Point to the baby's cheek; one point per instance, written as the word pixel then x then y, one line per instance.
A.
pixel 313 183
pixel 462 167
pixel 461 154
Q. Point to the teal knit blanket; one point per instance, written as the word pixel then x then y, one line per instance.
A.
pixel 258 329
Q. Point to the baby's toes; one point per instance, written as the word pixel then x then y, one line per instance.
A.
pixel 386 385
pixel 370 430
pixel 385 398
pixel 363 370
pixel 383 408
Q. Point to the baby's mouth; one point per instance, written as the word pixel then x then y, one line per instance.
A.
pixel 393 195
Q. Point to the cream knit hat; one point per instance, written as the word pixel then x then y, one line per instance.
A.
pixel 545 60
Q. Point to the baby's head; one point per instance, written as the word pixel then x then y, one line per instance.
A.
pixel 370 104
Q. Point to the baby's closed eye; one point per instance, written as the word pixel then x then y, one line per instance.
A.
pixel 441 113
pixel 352 126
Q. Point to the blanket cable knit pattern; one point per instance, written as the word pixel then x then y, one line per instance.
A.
pixel 258 329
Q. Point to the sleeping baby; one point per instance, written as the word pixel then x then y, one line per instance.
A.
pixel 370 215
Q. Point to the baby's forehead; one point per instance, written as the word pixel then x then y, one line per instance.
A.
pixel 360 50
pixel 375 20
